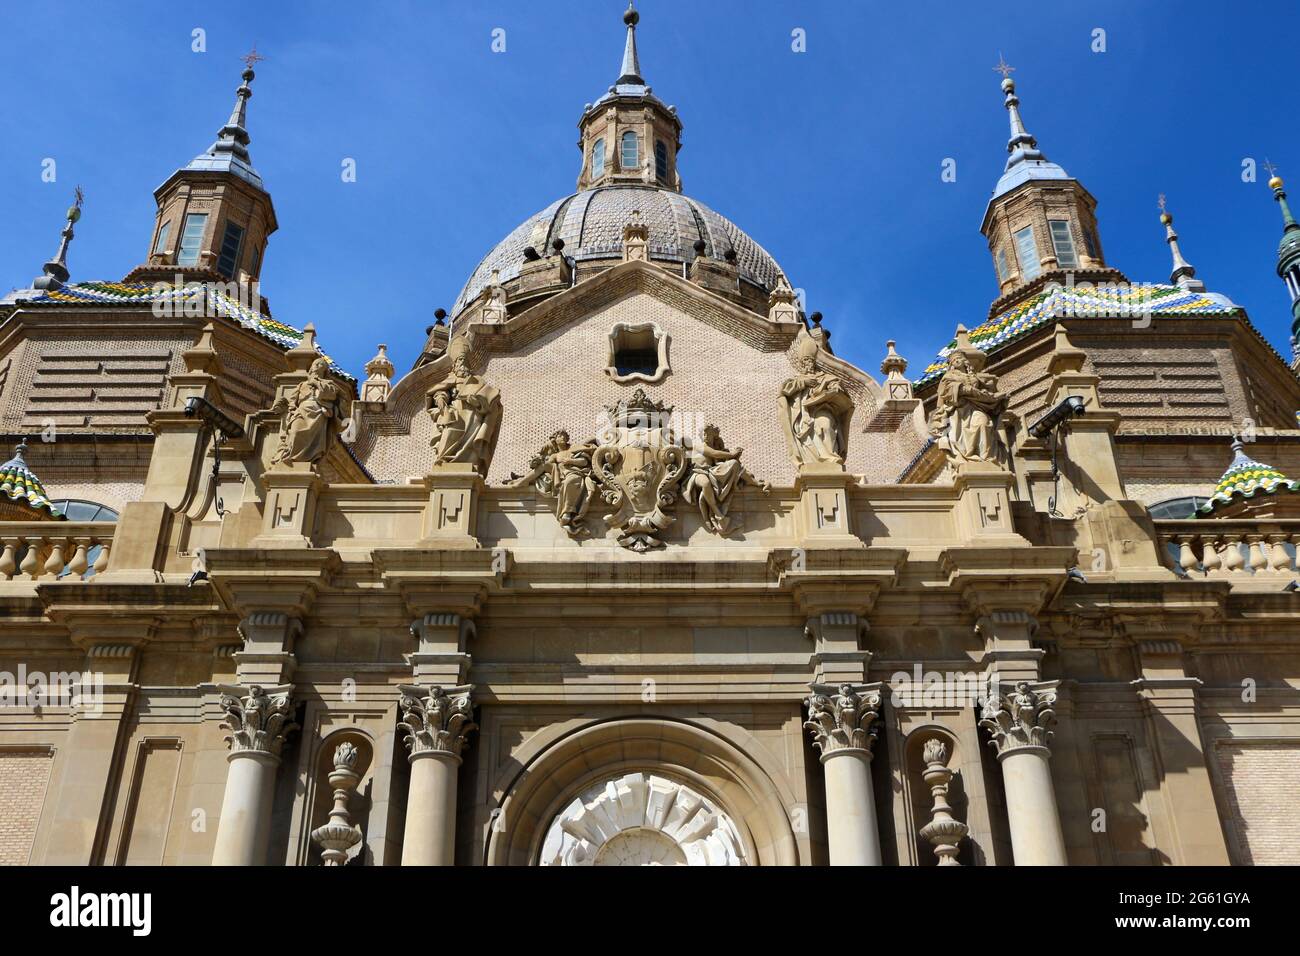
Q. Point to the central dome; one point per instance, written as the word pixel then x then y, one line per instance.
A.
pixel 591 224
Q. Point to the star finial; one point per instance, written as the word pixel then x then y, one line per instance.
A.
pixel 1272 170
pixel 1003 68
pixel 1161 202
pixel 251 57
pixel 81 196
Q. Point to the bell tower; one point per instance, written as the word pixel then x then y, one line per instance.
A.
pixel 214 214
pixel 629 135
pixel 1041 223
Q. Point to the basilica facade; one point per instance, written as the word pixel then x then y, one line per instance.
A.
pixel 630 568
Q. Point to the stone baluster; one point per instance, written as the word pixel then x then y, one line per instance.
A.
pixel 1020 725
pixel 1258 557
pixel 1211 558
pixel 31 564
pixel 842 721
pixel 437 721
pixel 340 834
pixel 101 562
pixel 944 831
pixel 78 565
pixel 1186 556
pixel 1279 559
pixel 259 720
pixel 54 563
pixel 1233 560
pixel 8 560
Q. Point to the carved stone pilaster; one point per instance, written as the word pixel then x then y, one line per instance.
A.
pixel 437 720
pixel 1021 719
pixel 259 719
pixel 842 718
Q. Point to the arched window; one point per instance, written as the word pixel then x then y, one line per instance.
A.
pixel 1176 507
pixel 661 162
pixel 630 158
pixel 85 511
pixel 598 159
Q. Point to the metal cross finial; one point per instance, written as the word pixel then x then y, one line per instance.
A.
pixel 1003 68
pixel 80 197
pixel 251 57
pixel 1161 202
pixel 1272 170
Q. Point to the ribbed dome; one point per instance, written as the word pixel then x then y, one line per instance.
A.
pixel 591 224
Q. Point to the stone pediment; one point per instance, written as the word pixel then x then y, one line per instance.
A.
pixel 620 281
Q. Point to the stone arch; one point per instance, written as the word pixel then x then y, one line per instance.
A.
pixel 564 767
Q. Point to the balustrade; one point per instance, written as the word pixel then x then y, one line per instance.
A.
pixel 1220 548
pixel 49 551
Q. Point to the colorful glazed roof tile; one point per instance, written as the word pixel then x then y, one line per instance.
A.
pixel 1246 478
pixel 187 299
pixel 1103 301
pixel 20 485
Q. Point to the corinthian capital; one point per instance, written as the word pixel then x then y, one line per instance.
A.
pixel 436 719
pixel 1023 718
pixel 259 719
pixel 843 717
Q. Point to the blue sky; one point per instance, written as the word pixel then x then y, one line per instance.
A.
pixel 830 158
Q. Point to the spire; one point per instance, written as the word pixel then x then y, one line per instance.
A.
pixel 230 152
pixel 631 72
pixel 1021 145
pixel 56 270
pixel 1184 274
pixel 1288 257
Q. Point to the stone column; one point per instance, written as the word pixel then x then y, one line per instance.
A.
pixel 841 720
pixel 1020 724
pixel 437 721
pixel 259 721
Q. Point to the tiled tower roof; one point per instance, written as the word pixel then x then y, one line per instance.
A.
pixel 1246 478
pixel 20 486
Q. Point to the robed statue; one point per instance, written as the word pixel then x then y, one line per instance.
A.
pixel 311 414
pixel 466 414
pixel 815 409
pixel 965 420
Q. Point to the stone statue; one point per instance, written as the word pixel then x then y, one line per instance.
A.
pixel 965 418
pixel 466 413
pixel 563 472
pixel 311 414
pixel 714 474
pixel 815 410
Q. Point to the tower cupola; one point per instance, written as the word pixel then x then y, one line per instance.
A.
pixel 214 214
pixel 1040 220
pixel 629 135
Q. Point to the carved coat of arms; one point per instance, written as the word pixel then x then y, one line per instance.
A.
pixel 639 463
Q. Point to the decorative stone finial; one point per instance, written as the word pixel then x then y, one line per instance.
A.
pixel 340 835
pixel 782 303
pixel 897 387
pixel 944 831
pixel 636 239
pixel 379 373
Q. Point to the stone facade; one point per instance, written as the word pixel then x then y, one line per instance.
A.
pixel 521 606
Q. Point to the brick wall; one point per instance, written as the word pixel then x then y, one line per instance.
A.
pixel 23 778
pixel 1261 780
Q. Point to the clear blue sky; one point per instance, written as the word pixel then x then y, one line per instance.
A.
pixel 830 158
